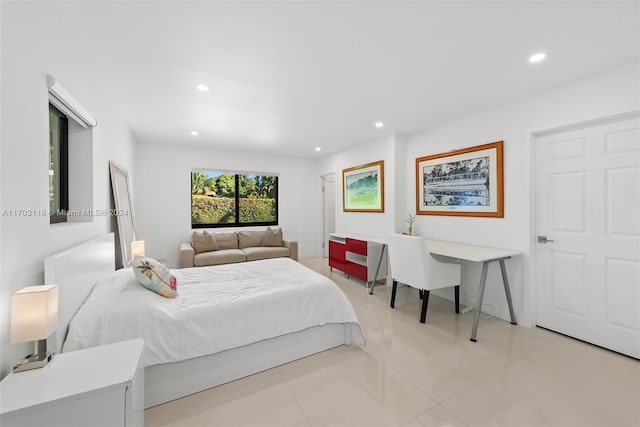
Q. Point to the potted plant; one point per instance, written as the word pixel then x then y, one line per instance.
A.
pixel 410 219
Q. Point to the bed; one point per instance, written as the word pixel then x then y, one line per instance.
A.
pixel 227 322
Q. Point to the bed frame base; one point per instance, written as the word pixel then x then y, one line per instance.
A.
pixel 171 381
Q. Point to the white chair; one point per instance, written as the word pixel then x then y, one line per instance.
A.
pixel 413 265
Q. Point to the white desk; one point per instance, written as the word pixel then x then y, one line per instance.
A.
pixel 486 256
pixel 483 254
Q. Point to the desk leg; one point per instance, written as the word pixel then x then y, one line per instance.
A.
pixel 476 316
pixel 375 278
pixel 505 281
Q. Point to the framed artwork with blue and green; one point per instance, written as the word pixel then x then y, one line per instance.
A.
pixel 363 188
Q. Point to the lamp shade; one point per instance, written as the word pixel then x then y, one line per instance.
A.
pixel 34 313
pixel 137 248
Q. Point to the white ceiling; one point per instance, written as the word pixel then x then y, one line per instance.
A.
pixel 286 77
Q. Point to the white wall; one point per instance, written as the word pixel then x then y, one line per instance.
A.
pixel 2 310
pixel 163 194
pixel 390 149
pixel 30 50
pixel 610 93
pixel 400 193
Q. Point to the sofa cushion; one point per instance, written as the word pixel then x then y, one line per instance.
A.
pixel 250 239
pixel 265 252
pixel 272 237
pixel 226 240
pixel 203 242
pixel 223 256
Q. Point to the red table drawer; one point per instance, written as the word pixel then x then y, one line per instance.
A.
pixel 357 246
pixel 336 251
pixel 357 270
pixel 342 266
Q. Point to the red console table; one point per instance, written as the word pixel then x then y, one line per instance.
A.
pixel 357 257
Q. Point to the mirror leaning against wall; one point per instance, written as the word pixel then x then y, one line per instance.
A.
pixel 124 212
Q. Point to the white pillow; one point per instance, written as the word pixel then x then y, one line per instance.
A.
pixel 155 276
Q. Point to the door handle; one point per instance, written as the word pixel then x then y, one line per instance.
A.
pixel 543 239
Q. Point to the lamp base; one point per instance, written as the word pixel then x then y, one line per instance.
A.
pixel 34 361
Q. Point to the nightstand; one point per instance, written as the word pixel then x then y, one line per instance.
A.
pixel 98 386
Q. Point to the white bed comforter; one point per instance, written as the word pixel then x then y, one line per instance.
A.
pixel 217 308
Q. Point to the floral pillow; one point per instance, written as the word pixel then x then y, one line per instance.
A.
pixel 155 276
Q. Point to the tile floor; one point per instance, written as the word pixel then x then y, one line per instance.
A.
pixel 410 374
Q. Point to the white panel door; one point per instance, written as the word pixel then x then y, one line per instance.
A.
pixel 588 208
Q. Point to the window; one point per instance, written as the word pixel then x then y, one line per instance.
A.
pixel 227 199
pixel 58 166
pixel 70 157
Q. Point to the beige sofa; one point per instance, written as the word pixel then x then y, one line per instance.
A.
pixel 236 246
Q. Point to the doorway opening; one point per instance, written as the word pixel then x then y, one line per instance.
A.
pixel 328 210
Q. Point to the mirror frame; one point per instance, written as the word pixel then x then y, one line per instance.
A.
pixel 123 201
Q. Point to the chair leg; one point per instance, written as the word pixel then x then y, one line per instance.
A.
pixel 456 290
pixel 425 302
pixel 393 293
pixel 421 293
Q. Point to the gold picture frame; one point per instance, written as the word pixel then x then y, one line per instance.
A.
pixel 465 182
pixel 363 188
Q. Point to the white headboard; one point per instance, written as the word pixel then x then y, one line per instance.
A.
pixel 75 271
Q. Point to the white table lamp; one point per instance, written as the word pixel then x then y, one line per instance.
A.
pixel 137 249
pixel 34 316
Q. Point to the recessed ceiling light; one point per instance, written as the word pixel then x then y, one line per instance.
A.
pixel 194 132
pixel 379 124
pixel 318 149
pixel 202 87
pixel 537 57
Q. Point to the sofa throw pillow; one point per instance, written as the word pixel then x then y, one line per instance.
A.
pixel 155 276
pixel 250 239
pixel 203 242
pixel 272 237
pixel 226 240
